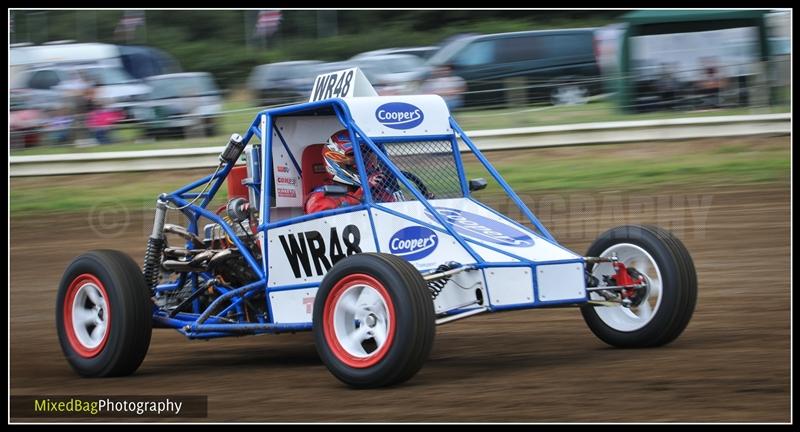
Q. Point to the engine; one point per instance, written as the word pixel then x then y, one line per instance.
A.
pixel 202 269
pixel 216 255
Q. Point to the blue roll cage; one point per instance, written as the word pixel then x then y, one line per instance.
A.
pixel 206 324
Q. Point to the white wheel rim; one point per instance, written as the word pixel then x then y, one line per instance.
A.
pixel 89 315
pixel 621 318
pixel 569 95
pixel 361 317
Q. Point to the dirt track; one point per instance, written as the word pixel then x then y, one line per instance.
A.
pixel 731 364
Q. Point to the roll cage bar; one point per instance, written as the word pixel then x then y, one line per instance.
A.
pixel 207 324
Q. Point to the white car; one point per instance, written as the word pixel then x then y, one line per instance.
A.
pixel 113 86
pixel 183 104
pixel 393 74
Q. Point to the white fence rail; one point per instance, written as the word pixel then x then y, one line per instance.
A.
pixel 497 139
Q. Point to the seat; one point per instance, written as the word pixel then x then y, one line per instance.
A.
pixel 313 166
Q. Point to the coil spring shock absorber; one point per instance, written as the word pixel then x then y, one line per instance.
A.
pixel 436 286
pixel 155 247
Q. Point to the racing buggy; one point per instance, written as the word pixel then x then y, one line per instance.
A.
pixel 371 280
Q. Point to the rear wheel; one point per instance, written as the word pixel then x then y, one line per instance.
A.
pixel 662 311
pixel 374 322
pixel 103 314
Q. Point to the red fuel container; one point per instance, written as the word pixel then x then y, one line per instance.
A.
pixel 235 187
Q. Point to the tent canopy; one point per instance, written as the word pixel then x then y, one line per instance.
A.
pixel 671 21
pixel 641 17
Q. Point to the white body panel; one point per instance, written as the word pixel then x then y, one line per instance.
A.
pixel 304 252
pixel 298 133
pixel 301 253
pixel 557 282
pixel 414 249
pixel 459 293
pixel 399 116
pixel 345 83
pixel 293 306
pixel 484 227
pixel 288 183
pixel 491 255
pixel 509 286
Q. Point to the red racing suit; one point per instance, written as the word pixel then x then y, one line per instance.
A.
pixel 318 200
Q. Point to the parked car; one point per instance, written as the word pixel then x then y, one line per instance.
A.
pixel 285 82
pixel 180 105
pixel 138 61
pixel 557 66
pixel 144 61
pixel 113 86
pixel 323 68
pixel 422 52
pixel 392 73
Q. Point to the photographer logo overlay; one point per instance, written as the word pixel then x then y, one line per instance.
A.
pixel 109 406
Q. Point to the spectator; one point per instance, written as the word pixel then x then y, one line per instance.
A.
pixel 24 122
pixel 100 120
pixel 710 85
pixel 59 125
pixel 668 86
pixel 76 85
pixel 450 87
pixel 82 91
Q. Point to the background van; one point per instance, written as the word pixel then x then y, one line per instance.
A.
pixel 554 66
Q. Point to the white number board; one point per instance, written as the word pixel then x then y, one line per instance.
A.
pixel 341 84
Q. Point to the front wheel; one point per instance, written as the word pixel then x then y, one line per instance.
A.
pixel 374 322
pixel 570 93
pixel 103 314
pixel 662 310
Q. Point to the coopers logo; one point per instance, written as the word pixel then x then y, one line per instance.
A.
pixel 413 243
pixel 399 115
pixel 482 228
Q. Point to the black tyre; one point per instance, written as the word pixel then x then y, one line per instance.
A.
pixel 104 314
pixel 374 322
pixel 663 310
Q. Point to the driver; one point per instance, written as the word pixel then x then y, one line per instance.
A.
pixel 344 188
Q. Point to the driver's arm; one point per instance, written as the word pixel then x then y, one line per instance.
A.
pixel 318 200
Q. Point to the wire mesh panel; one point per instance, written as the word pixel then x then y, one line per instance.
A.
pixel 429 165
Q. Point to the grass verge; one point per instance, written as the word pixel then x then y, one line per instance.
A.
pixel 624 166
pixel 243 114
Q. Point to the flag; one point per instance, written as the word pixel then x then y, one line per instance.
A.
pixel 268 22
pixel 130 21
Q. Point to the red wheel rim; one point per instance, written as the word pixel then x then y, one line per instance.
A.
pixel 79 285
pixel 343 288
